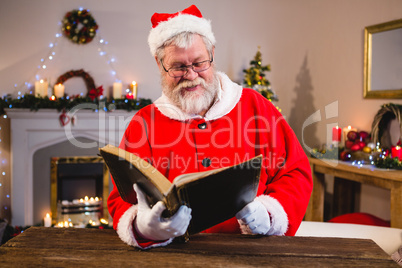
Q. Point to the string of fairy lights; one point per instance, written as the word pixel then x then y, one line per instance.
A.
pixel 43 64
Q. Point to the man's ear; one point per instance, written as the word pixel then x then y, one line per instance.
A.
pixel 158 62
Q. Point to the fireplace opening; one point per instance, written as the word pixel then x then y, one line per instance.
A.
pixel 79 189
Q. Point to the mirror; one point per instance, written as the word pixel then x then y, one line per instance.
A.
pixel 383 60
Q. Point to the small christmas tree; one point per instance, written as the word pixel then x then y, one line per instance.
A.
pixel 255 77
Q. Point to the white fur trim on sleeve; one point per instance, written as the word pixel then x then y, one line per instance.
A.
pixel 279 218
pixel 125 229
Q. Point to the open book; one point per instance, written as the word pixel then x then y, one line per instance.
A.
pixel 214 196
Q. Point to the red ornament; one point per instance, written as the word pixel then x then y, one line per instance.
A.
pixel 64 118
pixel 94 93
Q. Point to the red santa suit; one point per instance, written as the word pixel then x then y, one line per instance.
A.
pixel 240 125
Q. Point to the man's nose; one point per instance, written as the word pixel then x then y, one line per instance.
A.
pixel 191 75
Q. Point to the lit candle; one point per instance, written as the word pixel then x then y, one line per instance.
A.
pixel 45 87
pixel 396 151
pixel 117 90
pixel 336 134
pixel 59 90
pixel 41 88
pixel 47 220
pixel 134 89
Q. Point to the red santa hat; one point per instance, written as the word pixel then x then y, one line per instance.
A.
pixel 165 26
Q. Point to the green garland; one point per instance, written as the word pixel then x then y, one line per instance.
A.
pixel 389 163
pixel 33 103
pixel 79 26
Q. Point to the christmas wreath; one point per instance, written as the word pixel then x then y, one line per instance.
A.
pixel 79 26
pixel 388 112
pixel 93 92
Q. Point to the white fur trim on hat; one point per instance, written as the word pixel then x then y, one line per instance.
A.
pixel 126 232
pixel 176 25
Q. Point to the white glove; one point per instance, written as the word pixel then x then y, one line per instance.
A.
pixel 255 216
pixel 150 224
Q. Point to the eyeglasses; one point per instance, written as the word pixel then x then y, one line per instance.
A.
pixel 181 71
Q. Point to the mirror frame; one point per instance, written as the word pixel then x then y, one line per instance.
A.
pixel 368 32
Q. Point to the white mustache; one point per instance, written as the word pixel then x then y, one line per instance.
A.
pixel 193 83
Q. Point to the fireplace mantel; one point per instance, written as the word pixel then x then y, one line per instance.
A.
pixel 33 130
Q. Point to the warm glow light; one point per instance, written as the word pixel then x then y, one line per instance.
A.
pixel 103 221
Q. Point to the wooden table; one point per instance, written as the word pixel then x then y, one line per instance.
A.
pixel 65 247
pixel 388 179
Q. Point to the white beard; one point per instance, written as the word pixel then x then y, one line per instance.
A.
pixel 192 102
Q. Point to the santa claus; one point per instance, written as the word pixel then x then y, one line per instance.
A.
pixel 204 121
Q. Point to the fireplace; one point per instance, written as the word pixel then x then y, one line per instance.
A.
pixel 38 136
pixel 79 187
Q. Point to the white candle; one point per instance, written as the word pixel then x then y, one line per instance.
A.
pixel 40 87
pixel 59 90
pixel 45 87
pixel 117 90
pixel 134 89
pixel 47 220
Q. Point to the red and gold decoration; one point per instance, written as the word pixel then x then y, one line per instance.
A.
pixel 362 148
pixel 79 26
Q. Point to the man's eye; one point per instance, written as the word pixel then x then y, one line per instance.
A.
pixel 198 64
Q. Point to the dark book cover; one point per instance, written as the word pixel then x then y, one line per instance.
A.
pixel 214 196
